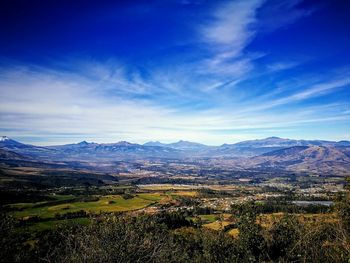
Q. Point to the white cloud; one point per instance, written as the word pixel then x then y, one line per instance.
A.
pixel 226 33
pixel 320 89
pixel 231 26
pixel 69 107
pixel 316 90
pixel 97 100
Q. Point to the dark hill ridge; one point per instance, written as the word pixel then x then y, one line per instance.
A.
pixel 6 154
pixel 258 147
pixel 317 159
pixel 286 151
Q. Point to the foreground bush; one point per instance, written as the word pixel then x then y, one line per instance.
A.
pixel 169 237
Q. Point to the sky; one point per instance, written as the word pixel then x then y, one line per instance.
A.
pixel 206 71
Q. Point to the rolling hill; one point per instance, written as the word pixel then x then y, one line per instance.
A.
pixel 311 159
pixel 252 148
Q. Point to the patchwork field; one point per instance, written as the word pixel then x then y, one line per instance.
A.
pixel 66 209
pixel 109 203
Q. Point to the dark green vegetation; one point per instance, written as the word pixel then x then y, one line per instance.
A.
pixel 112 224
pixel 169 237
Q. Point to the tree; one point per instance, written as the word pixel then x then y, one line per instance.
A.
pixel 252 243
pixel 284 237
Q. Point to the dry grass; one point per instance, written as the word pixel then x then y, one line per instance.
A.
pixel 186 193
pixel 233 232
pixel 266 220
pixel 217 225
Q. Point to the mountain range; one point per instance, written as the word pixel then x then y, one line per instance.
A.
pixel 310 159
pixel 316 156
pixel 180 145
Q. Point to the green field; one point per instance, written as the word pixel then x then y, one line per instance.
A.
pixel 109 203
pixel 208 218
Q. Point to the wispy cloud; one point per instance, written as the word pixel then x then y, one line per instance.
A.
pixel 56 104
pixel 230 27
pixel 278 66
pixel 282 13
pixel 215 96
pixel 319 90
pixel 226 34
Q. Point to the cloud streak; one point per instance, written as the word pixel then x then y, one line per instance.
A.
pixel 226 34
pixel 231 28
pixel 225 91
pixel 49 102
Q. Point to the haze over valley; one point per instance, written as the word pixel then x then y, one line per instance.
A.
pixel 270 156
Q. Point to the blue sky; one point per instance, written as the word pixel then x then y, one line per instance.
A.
pixel 207 71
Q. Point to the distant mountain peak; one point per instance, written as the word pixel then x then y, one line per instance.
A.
pixel 153 143
pixel 124 143
pixel 7 140
pixel 4 138
pixel 83 143
pixel 272 138
pixel 9 143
